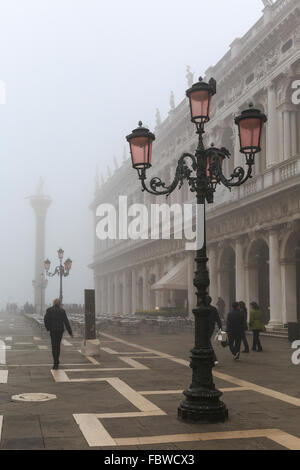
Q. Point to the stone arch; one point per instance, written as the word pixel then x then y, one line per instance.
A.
pixel 284 250
pixel 258 275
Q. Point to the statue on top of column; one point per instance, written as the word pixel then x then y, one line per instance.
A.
pixel 40 187
pixel 189 76
pixel 158 118
pixel 97 182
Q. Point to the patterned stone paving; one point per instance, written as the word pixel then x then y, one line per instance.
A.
pixel 128 397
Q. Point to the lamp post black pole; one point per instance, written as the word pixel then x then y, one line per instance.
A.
pixel 202 402
pixel 203 172
pixel 63 270
pixel 61 274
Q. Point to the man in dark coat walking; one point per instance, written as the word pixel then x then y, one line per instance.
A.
pixel 213 319
pixel 235 327
pixel 55 320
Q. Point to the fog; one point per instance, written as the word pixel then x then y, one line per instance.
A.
pixel 79 75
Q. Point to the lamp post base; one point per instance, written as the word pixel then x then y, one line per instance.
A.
pixel 202 403
pixel 205 407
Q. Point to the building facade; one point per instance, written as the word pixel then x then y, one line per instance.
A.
pixel 253 232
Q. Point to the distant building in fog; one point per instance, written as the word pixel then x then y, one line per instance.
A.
pixel 254 231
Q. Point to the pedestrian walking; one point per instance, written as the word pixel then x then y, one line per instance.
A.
pixel 213 319
pixel 256 325
pixel 235 327
pixel 221 307
pixel 243 309
pixel 55 320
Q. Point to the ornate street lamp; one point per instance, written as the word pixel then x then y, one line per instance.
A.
pixel 203 172
pixel 140 142
pixel 63 270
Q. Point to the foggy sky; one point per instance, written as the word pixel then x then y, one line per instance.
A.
pixel 79 75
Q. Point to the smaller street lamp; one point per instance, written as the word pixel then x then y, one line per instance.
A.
pixel 63 270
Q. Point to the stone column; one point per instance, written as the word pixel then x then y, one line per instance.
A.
pixel 192 300
pixel 157 278
pixel 239 271
pixel 272 148
pixel 110 300
pixel 280 136
pixel 275 281
pixel 40 204
pixel 104 293
pixel 289 292
pixel 117 299
pixel 133 291
pixel 294 136
pixel 102 300
pixel 286 135
pixel 213 274
pixel 98 295
pixel 145 289
pixel 125 299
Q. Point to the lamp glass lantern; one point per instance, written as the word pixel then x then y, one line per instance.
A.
pixel 68 264
pixel 200 96
pixel 251 124
pixel 47 264
pixel 140 141
pixel 60 253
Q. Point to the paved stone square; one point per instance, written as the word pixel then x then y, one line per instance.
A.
pixel 128 397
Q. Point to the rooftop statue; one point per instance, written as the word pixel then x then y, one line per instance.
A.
pixel 172 101
pixel 158 118
pixel 189 76
pixel 267 3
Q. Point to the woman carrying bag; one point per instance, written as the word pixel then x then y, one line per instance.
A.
pixel 256 325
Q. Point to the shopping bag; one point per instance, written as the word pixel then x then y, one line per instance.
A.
pixel 222 338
